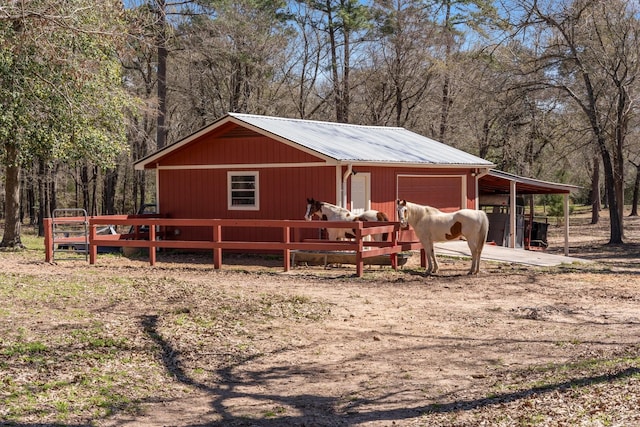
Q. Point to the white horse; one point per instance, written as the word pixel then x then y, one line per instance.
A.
pixel 329 212
pixel 431 225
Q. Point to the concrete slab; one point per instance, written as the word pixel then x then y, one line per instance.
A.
pixel 460 248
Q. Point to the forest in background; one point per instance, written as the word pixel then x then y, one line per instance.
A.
pixel 544 89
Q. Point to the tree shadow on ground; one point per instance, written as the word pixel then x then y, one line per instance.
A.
pixel 320 410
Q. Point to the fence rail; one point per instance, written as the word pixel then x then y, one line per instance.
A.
pixel 147 232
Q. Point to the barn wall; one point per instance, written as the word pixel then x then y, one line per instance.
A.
pixel 438 187
pixel 192 182
pixel 237 146
pixel 202 193
pixel 436 192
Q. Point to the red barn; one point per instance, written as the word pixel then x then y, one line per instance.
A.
pixel 260 167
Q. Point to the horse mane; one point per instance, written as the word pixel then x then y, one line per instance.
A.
pixel 419 211
pixel 318 205
pixel 336 207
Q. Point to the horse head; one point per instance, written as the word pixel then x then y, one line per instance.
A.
pixel 403 213
pixel 313 207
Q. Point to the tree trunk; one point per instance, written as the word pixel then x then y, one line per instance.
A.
pixel 346 67
pixel 44 190
pixel 337 95
pixel 139 190
pixel 636 190
pixel 109 192
pixel 94 191
pixel 161 131
pixel 446 85
pixel 84 185
pixel 30 205
pixel 11 237
pixel 610 185
pixel 595 191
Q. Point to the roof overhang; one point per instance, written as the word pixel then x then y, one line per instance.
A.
pixel 498 182
pixel 151 161
pixel 333 144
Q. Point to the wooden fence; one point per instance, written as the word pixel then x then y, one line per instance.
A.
pixel 149 232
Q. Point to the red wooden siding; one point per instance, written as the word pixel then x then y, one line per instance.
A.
pixel 443 192
pixel 237 147
pixel 283 192
pixel 438 187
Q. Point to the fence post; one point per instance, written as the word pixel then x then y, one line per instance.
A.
pixel 286 238
pixel 359 249
pixel 394 242
pixel 48 240
pixel 217 250
pixel 93 248
pixel 152 246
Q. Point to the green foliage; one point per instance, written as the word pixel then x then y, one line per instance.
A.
pixel 554 204
pixel 60 93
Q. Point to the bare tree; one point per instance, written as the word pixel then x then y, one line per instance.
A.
pixel 589 51
pixel 228 61
pixel 457 17
pixel 401 67
pixel 636 189
pixel 343 22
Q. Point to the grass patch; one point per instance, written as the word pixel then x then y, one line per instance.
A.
pixel 76 342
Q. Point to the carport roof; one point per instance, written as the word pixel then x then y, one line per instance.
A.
pixel 498 182
pixel 341 143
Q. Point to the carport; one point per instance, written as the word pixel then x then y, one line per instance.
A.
pixel 496 182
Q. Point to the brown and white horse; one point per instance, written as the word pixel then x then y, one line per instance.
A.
pixel 432 225
pixel 329 212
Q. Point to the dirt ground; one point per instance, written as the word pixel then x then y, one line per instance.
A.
pixel 513 346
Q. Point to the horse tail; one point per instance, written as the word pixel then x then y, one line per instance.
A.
pixel 484 229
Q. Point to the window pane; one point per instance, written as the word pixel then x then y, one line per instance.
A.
pixel 238 178
pixel 242 194
pixel 243 185
pixel 243 190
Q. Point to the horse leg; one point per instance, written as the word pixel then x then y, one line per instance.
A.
pixel 475 256
pixel 432 254
pixel 432 262
pixel 474 264
pixel 479 248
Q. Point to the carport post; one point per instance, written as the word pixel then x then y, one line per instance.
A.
pixel 566 225
pixel 512 214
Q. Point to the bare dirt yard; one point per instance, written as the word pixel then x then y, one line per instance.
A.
pixel 121 343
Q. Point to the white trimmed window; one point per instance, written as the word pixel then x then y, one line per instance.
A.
pixel 242 191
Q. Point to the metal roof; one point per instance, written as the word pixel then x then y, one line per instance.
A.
pixel 345 143
pixel 357 143
pixel 498 182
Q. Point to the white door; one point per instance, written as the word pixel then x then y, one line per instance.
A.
pixel 360 192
